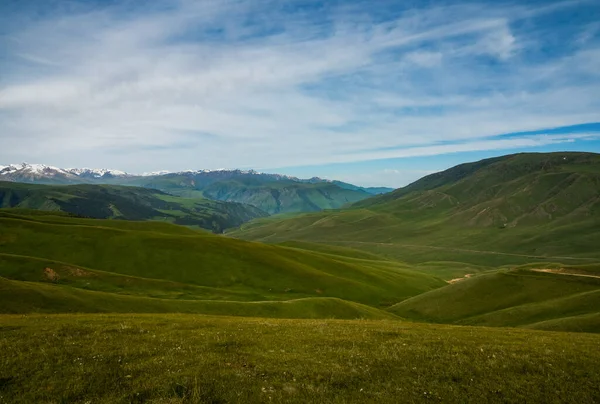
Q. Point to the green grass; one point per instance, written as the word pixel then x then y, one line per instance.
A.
pixel 197 359
pixel 20 297
pixel 200 259
pixel 508 298
pixel 21 268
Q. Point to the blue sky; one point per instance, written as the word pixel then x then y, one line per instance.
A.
pixel 370 92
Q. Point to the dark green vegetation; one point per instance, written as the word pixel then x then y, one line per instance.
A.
pixel 284 196
pixel 128 203
pixel 197 359
pixel 271 193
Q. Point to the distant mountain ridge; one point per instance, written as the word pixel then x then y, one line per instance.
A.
pixel 23 171
pixel 126 203
pixel 272 193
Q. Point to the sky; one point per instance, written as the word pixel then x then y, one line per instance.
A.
pixel 376 93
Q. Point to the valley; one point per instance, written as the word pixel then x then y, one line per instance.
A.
pixel 479 282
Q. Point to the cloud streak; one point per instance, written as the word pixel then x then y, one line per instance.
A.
pixel 253 83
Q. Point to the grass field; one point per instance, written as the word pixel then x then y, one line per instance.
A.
pixel 196 359
pixel 152 262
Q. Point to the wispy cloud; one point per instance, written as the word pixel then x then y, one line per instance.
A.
pixel 259 83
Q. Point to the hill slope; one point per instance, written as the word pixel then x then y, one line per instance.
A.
pixel 519 297
pixel 240 270
pixel 28 297
pixel 542 205
pixel 129 203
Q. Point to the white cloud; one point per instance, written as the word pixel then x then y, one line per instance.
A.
pixel 198 86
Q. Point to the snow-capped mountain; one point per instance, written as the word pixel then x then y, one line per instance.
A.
pixel 42 173
pixel 97 172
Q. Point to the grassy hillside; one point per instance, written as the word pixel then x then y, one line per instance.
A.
pixel 129 203
pixel 201 259
pixel 526 207
pixel 191 359
pixel 31 297
pixel 520 297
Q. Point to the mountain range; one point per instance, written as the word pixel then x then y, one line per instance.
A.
pixel 272 193
pixel 127 203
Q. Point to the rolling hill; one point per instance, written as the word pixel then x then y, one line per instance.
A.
pixel 539 206
pixel 112 257
pixel 127 203
pixel 523 297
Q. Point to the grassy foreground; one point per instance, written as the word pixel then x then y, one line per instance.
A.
pixel 186 358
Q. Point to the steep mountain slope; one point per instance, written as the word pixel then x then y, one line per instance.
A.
pixel 118 202
pixel 532 204
pixel 506 191
pixel 236 267
pixel 284 196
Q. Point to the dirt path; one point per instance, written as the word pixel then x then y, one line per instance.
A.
pixel 459 250
pixel 560 272
pixel 467 276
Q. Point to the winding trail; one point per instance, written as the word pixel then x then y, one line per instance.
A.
pixel 459 250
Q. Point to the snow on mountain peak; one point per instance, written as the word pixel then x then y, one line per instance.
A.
pixel 42 170
pixel 45 170
pixel 34 169
pixel 96 172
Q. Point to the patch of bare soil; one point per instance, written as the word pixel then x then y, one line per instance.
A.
pixel 467 276
pixel 51 274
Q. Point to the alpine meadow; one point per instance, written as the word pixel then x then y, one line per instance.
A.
pixel 411 211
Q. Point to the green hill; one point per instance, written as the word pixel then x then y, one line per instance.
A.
pixel 521 297
pixel 29 297
pixel 508 210
pixel 239 270
pixel 129 203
